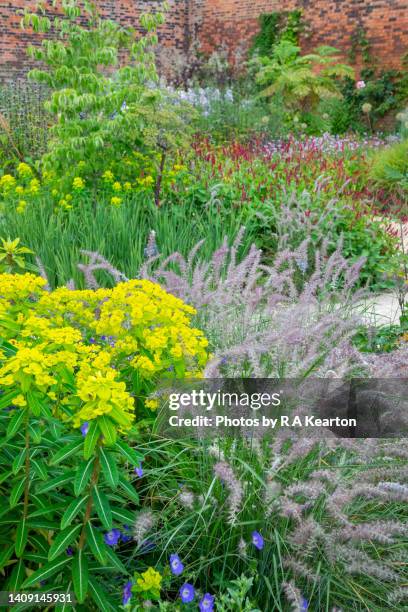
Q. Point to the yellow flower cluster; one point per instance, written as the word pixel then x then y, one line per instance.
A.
pixel 82 349
pixel 150 580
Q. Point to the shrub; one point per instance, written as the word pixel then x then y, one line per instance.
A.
pixel 74 365
pixel 102 113
pixel 390 169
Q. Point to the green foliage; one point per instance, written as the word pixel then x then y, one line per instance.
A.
pixel 274 27
pixel 390 168
pixel 300 81
pixel 101 79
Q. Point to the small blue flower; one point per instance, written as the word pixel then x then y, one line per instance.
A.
pixel 207 603
pixel 187 593
pixel 304 605
pixel 112 537
pixel 92 341
pixel 176 565
pixel 84 428
pixel 127 593
pixel 257 540
pixel 69 551
pixel 139 470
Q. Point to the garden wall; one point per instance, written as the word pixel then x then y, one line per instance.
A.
pixel 209 24
pixel 332 22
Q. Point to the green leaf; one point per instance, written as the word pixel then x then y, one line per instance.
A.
pixel 102 507
pixel 129 453
pixel 35 433
pixel 17 577
pixel 109 469
pixel 72 511
pixel 80 575
pixel 5 476
pixel 46 571
pixel 7 399
pixel 63 540
pixel 91 439
pixel 19 461
pixel 40 468
pixel 96 544
pixel 66 452
pixel 5 555
pixel 100 598
pixel 123 516
pixel 54 483
pixel 82 476
pixel 16 492
pixel 108 430
pixel 34 402
pixel 114 559
pixel 129 490
pixel 15 424
pixel 21 537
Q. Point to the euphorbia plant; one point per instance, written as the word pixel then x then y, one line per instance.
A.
pixel 76 368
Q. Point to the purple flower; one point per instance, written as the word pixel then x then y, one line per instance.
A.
pixel 69 551
pixel 124 536
pixel 257 540
pixel 187 593
pixel 139 470
pixel 112 537
pixel 127 593
pixel 84 428
pixel 176 565
pixel 207 603
pixel 304 605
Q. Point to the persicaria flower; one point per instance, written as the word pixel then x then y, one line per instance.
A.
pixel 257 540
pixel 187 593
pixel 112 537
pixel 176 565
pixel 207 603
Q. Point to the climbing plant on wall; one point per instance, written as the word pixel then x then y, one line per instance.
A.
pixel 274 27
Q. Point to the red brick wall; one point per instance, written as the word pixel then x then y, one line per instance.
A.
pixel 14 40
pixel 332 22
pixel 233 23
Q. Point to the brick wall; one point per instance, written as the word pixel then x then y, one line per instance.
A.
pixel 332 22
pixel 14 40
pixel 232 24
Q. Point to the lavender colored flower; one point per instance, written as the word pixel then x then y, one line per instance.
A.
pixel 139 470
pixel 207 603
pixel 84 428
pixel 187 593
pixel 257 540
pixel 176 565
pixel 127 593
pixel 112 537
pixel 69 551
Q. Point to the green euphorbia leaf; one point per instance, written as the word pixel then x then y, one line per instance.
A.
pixel 129 490
pixel 63 540
pixel 96 544
pixel 21 537
pixel 46 571
pixel 128 453
pixel 109 469
pixel 91 439
pixel 15 423
pixel 80 575
pixel 108 430
pixel 56 482
pixel 83 475
pixel 72 511
pixel 102 507
pixel 100 598
pixel 66 452
pixel 16 492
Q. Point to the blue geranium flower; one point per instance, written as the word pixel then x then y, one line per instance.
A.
pixel 176 565
pixel 187 593
pixel 112 537
pixel 257 540
pixel 207 603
